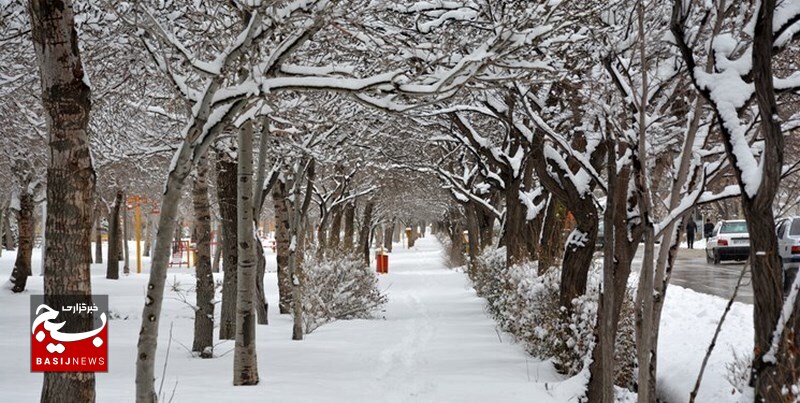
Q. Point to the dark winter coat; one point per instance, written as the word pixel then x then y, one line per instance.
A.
pixel 691 227
pixel 708 228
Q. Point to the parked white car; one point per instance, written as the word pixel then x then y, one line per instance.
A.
pixel 788 232
pixel 729 241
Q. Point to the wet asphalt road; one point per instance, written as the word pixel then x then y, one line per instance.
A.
pixel 691 271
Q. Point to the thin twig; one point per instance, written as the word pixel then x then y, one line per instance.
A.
pixel 693 395
pixel 166 360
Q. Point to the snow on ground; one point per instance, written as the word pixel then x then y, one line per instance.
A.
pixel 433 343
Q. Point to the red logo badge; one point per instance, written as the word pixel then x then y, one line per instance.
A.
pixel 69 333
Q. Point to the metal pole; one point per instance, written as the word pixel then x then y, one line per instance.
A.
pixel 138 221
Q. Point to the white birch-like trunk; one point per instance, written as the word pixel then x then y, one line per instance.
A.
pixel 245 363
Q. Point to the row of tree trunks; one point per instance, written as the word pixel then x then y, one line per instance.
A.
pixel 26 227
pixel 203 342
pixel 226 196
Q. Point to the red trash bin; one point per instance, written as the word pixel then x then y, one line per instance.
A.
pixel 382 263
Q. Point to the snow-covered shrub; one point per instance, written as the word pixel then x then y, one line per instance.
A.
pixel 526 305
pixel 338 287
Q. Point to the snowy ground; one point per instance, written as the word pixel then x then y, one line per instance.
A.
pixel 433 343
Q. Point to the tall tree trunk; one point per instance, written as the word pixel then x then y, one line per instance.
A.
pixel 514 237
pixel 260 192
pixel 120 233
pixel 349 226
pixel 282 239
pixel 297 230
pixel 486 225
pixel 226 194
pixel 245 363
pixel 216 238
pixel 473 234
pixel 112 267
pixel 147 235
pixel 579 252
pixel 388 233
pixel 3 213
pixel 770 377
pixel 25 225
pixel 336 228
pixel 548 243
pixel 366 229
pixel 98 238
pixel 621 243
pixel 125 237
pixel 204 305
pixel 9 236
pixel 261 305
pixel 70 178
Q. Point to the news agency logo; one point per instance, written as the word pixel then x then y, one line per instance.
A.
pixel 69 333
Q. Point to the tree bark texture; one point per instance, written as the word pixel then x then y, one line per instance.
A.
pixel 261 305
pixel 125 237
pixel 9 237
pixel 349 226
pixel 282 240
pixel 203 342
pixel 112 267
pixel 336 228
pixel 26 226
pixel 98 238
pixel 366 229
pixel 618 257
pixel 70 177
pixel 769 377
pixel 388 232
pixel 514 236
pixel 473 234
pixel 245 363
pixel 226 194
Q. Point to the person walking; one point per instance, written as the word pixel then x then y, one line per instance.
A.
pixel 708 228
pixel 691 228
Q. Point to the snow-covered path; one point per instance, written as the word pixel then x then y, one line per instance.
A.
pixel 436 344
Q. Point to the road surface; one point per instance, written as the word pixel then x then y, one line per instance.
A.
pixel 691 271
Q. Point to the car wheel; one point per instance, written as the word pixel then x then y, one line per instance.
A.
pixel 717 257
pixel 709 259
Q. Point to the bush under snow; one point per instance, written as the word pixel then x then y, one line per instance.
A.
pixel 338 287
pixel 526 305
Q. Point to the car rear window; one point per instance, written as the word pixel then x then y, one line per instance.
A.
pixel 735 227
pixel 795 229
